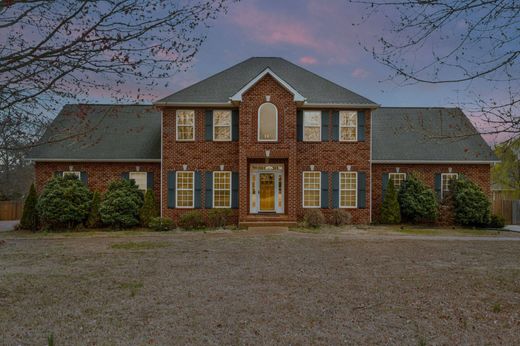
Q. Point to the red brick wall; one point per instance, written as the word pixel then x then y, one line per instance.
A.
pixel 478 173
pixel 100 174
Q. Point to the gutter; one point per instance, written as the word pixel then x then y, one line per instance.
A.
pixel 437 162
pixel 89 160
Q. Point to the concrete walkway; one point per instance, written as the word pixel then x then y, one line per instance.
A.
pixel 513 228
pixel 8 225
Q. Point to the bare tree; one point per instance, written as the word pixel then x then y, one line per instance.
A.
pixel 459 42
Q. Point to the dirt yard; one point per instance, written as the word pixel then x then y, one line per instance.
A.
pixel 242 288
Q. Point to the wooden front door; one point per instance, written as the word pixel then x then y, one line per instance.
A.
pixel 267 190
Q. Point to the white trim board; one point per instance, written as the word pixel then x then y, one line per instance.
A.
pixel 434 162
pixel 91 160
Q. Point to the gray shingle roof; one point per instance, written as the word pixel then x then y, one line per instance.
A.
pixel 221 86
pixel 102 132
pixel 426 134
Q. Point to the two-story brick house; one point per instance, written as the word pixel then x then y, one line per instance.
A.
pixel 267 139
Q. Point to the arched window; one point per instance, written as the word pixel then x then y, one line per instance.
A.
pixel 267 123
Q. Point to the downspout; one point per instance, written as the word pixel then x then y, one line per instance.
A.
pixel 370 194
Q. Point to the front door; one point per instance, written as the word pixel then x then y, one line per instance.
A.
pixel 267 192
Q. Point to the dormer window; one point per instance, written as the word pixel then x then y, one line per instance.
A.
pixel 267 123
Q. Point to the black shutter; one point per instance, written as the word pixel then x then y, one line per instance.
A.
pixel 234 125
pixel 385 184
pixel 362 190
pixel 325 126
pixel 234 190
pixel 84 178
pixel 209 190
pixel 149 180
pixel 335 126
pixel 198 190
pixel 438 185
pixel 125 175
pixel 171 189
pixel 58 174
pixel 335 190
pixel 324 190
pixel 208 125
pixel 361 126
pixel 299 126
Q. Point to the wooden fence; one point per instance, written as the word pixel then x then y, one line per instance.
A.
pixel 11 210
pixel 508 209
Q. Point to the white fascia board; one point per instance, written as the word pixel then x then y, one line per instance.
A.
pixel 89 160
pixel 436 162
pixel 340 105
pixel 297 96
pixel 194 104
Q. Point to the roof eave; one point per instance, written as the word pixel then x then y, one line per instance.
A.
pixel 468 162
pixel 193 104
pixel 340 105
pixel 39 159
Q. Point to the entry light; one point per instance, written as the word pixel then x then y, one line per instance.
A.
pixel 349 167
pixel 267 153
pixel 184 167
pixel 221 167
pixel 312 167
pixel 397 169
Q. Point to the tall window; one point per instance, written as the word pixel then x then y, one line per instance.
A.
pixel 185 120
pixel 447 180
pixel 267 123
pixel 75 173
pixel 184 189
pixel 348 189
pixel 312 126
pixel 348 126
pixel 221 125
pixel 140 180
pixel 311 189
pixel 221 189
pixel 397 178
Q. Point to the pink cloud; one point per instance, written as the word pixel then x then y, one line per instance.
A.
pixel 359 73
pixel 308 60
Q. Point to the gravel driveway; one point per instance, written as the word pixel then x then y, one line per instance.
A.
pixel 265 289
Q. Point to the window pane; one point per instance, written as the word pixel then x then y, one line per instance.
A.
pixel 312 118
pixel 75 173
pixel 222 189
pixel 311 133
pixel 267 123
pixel 222 133
pixel 140 179
pixel 397 178
pixel 348 189
pixel 348 133
pixel 348 118
pixel 222 118
pixel 311 189
pixel 185 117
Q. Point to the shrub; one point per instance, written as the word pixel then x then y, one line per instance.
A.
pixel 94 219
pixel 192 220
pixel 390 210
pixel 121 205
pixel 340 217
pixel 314 218
pixel 161 224
pixel 149 209
pixel 29 218
pixel 496 221
pixel 64 202
pixel 471 205
pixel 417 201
pixel 218 217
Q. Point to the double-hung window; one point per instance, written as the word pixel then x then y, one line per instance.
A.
pixel 348 126
pixel 348 189
pixel 75 173
pixel 447 180
pixel 397 178
pixel 140 180
pixel 311 189
pixel 221 125
pixel 184 189
pixel 221 189
pixel 185 121
pixel 312 126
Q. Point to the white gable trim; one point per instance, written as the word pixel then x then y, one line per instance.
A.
pixel 297 95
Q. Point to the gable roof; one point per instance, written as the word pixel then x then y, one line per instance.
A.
pixel 426 135
pixel 88 132
pixel 219 88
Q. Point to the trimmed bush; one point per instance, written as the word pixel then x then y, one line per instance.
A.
pixel 496 221
pixel 161 224
pixel 121 204
pixel 149 209
pixel 472 207
pixel 314 218
pixel 64 203
pixel 417 201
pixel 340 217
pixel 94 219
pixel 192 220
pixel 390 210
pixel 29 218
pixel 218 217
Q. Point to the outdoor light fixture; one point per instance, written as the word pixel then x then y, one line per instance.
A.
pixel 349 167
pixel 312 167
pixel 268 98
pixel 221 167
pixel 397 169
pixel 71 168
pixel 267 153
pixel 184 167
pixel 137 168
pixel 449 169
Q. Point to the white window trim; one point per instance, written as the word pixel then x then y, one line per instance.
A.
pixel 442 181
pixel 356 128
pixel 258 121
pixel 177 190
pixel 230 126
pixel 356 190
pixel 309 111
pixel 303 190
pixel 145 181
pixel 396 173
pixel 76 173
pixel 177 125
pixel 230 189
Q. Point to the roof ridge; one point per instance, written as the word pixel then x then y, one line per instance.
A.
pixel 109 104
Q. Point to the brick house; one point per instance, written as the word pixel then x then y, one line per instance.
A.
pixel 267 139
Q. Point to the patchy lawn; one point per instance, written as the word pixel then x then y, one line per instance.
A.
pixel 241 288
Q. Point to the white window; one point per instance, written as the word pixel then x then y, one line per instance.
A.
pixel 184 189
pixel 397 178
pixel 221 189
pixel 347 126
pixel 140 180
pixel 267 123
pixel 76 173
pixel 447 182
pixel 221 125
pixel 311 189
pixel 348 189
pixel 312 126
pixel 185 121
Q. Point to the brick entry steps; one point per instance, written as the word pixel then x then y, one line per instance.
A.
pixel 268 230
pixel 267 221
